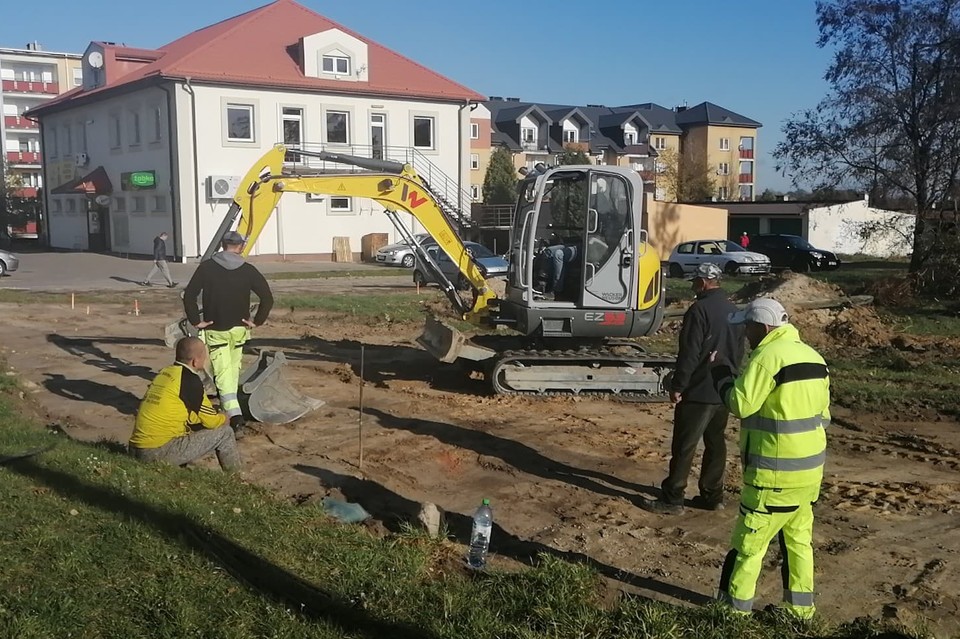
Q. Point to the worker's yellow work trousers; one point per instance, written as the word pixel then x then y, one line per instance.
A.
pixel 226 359
pixel 766 513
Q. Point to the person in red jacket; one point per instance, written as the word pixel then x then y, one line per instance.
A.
pixel 745 240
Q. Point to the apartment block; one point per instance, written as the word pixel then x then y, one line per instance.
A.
pixel 29 77
pixel 634 135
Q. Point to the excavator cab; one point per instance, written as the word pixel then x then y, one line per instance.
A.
pixel 579 262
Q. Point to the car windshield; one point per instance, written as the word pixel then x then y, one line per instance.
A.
pixel 479 250
pixel 795 241
pixel 732 247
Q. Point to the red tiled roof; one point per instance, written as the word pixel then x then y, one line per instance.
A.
pixel 261 48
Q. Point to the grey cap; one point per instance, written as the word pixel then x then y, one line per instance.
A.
pixel 763 310
pixel 707 271
pixel 232 237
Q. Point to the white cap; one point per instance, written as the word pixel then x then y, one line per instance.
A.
pixel 763 310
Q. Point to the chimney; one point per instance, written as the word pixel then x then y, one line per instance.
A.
pixel 34 46
pixel 496 98
pixel 680 108
pixel 596 106
pixel 513 99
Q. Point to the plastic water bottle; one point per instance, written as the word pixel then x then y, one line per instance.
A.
pixel 480 535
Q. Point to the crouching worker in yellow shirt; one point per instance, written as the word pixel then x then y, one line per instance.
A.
pixel 174 403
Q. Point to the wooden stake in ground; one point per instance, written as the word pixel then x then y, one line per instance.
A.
pixel 136 307
pixel 360 417
pixel 73 300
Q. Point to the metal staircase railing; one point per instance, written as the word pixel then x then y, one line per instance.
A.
pixel 454 201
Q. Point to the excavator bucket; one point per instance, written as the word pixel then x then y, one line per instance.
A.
pixel 269 398
pixel 447 344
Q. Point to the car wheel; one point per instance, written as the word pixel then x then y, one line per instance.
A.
pixel 418 278
pixel 407 261
pixel 676 270
pixel 3 268
pixel 731 268
pixel 801 265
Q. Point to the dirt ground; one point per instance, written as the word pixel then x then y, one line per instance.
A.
pixel 563 474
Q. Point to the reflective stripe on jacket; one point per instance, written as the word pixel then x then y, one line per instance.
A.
pixel 783 400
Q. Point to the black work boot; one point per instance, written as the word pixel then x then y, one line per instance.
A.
pixel 239 426
pixel 661 507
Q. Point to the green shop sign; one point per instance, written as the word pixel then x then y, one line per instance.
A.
pixel 137 180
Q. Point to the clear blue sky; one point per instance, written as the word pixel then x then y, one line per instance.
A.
pixel 755 57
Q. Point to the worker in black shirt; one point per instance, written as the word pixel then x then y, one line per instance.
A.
pixel 225 283
pixel 700 413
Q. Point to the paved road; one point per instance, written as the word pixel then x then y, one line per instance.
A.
pixel 76 272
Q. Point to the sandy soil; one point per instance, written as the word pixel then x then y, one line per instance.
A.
pixel 563 474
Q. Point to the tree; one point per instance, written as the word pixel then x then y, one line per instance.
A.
pixel 500 182
pixel 684 179
pixel 890 123
pixel 572 155
pixel 10 185
pixel 769 195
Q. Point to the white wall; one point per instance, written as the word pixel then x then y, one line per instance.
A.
pixel 302 226
pixel 130 231
pixel 855 227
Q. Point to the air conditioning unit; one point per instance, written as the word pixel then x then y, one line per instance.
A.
pixel 82 159
pixel 222 187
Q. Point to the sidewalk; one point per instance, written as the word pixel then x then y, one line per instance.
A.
pixel 56 271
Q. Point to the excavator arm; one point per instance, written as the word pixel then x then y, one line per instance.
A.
pixel 393 185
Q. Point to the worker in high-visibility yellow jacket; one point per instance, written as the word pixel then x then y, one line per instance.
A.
pixel 783 400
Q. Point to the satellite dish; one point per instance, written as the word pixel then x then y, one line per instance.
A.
pixel 95 59
pixel 102 200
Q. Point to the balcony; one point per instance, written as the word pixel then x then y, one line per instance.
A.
pixel 26 191
pixel 25 86
pixel 23 157
pixel 529 145
pixel 746 178
pixel 746 154
pixel 19 122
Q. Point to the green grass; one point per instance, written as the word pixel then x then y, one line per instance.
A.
pixel 887 380
pixel 379 271
pixel 97 545
pixel 855 277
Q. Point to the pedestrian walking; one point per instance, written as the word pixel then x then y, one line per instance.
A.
pixel 783 401
pixel 745 240
pixel 160 262
pixel 699 413
pixel 225 283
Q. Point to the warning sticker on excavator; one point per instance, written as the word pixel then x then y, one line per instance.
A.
pixel 342 187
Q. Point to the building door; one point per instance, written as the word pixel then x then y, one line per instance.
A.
pixel 98 224
pixel 378 135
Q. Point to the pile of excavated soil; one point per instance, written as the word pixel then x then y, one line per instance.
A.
pixel 858 327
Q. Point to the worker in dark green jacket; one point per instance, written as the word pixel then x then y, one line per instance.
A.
pixel 783 401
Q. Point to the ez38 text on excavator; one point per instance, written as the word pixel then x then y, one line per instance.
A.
pixel 582 281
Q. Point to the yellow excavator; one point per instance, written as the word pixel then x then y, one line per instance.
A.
pixel 582 279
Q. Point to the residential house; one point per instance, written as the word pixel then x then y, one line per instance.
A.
pixel 157 140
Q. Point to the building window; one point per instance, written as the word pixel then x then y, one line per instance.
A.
pixel 475 191
pixel 474 161
pixel 570 135
pixel 423 132
pixel 474 131
pixel 528 135
pixel 336 64
pixel 82 131
pixel 746 192
pixel 338 127
pixel 746 168
pixel 660 143
pixel 629 138
pixel 723 168
pixel 723 193
pixel 77 77
pixel 67 140
pixel 133 125
pixel 746 144
pixel 240 123
pixel 57 206
pixel 157 128
pixel 159 203
pixel 114 131
pixel 52 143
pixel 71 206
pixel 120 204
pixel 724 144
pixel 292 119
pixel 139 204
pixel 341 205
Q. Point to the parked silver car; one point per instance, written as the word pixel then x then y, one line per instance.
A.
pixel 401 253
pixel 730 256
pixel 9 262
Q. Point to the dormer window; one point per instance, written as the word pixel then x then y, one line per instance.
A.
pixel 570 135
pixel 336 64
pixel 630 138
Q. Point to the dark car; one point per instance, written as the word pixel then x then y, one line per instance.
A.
pixel 794 252
pixel 490 265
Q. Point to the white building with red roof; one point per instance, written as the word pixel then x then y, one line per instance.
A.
pixel 157 139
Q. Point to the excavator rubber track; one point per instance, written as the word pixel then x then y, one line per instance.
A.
pixel 635 374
